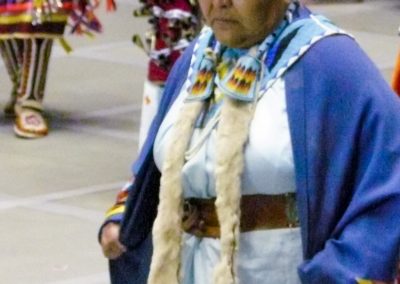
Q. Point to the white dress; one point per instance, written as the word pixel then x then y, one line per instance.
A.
pixel 268 256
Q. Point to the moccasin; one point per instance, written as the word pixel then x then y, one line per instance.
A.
pixel 30 123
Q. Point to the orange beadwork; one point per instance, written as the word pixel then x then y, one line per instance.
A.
pixel 38 18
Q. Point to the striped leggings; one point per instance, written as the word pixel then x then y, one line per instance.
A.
pixel 26 61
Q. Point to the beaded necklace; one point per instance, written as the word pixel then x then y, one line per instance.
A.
pixel 240 82
pixel 237 76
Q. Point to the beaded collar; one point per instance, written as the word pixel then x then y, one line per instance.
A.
pixel 232 72
pixel 241 81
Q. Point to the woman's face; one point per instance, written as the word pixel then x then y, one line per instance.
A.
pixel 242 23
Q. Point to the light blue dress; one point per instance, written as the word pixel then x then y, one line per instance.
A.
pixel 268 256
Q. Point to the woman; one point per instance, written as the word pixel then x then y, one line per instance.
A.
pixel 279 157
pixel 27 31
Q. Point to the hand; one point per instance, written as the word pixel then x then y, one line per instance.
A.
pixel 110 244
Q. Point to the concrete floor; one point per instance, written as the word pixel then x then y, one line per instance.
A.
pixel 53 191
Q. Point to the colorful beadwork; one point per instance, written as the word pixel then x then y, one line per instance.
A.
pixel 203 85
pixel 39 18
pixel 241 81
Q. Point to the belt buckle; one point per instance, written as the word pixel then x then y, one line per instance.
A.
pixel 291 210
pixel 190 216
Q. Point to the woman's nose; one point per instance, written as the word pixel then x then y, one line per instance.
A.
pixel 222 3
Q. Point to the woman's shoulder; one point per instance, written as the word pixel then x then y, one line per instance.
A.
pixel 338 74
pixel 339 63
pixel 338 56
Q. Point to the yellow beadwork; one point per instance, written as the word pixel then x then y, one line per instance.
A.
pixel 363 281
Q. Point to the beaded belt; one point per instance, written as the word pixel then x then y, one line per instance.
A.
pixel 258 212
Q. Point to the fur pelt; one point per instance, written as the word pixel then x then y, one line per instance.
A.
pixel 232 135
pixel 167 229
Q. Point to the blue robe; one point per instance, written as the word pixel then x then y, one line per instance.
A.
pixel 345 128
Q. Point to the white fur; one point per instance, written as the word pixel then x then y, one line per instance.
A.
pixel 167 229
pixel 232 135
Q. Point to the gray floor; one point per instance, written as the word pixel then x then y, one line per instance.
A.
pixel 53 191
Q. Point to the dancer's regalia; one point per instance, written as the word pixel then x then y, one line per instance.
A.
pixel 27 31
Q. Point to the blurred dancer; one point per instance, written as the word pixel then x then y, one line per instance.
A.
pixel 396 75
pixel 174 24
pixel 27 32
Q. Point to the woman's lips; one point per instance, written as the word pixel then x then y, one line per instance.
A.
pixel 222 23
